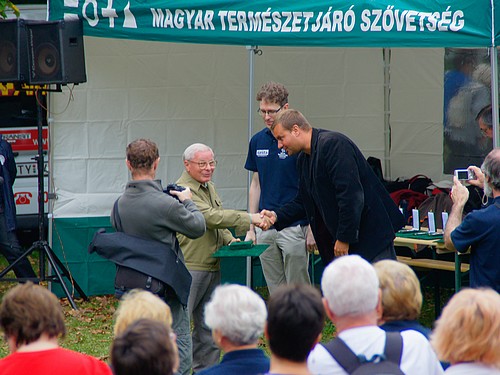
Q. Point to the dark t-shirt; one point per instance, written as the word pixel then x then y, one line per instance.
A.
pixel 480 230
pixel 404 325
pixel 240 362
pixel 278 177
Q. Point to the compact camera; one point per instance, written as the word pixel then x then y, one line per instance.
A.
pixel 464 174
pixel 175 187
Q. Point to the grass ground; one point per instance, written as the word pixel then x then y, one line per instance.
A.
pixel 89 329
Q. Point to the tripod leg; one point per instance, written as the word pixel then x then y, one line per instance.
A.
pixel 50 257
pixel 55 263
pixel 64 270
pixel 23 256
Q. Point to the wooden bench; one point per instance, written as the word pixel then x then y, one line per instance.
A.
pixel 435 264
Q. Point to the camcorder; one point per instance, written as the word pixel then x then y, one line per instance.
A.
pixel 464 174
pixel 175 187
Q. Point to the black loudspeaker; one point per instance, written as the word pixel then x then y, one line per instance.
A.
pixel 55 52
pixel 13 51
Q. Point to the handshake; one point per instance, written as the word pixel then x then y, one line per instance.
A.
pixel 265 219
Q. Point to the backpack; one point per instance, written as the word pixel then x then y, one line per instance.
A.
pixel 418 183
pixel 408 199
pixel 437 203
pixel 381 364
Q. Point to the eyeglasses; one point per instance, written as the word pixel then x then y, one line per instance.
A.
pixel 269 112
pixel 204 164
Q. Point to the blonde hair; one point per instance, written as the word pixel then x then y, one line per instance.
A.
pixel 469 328
pixel 138 304
pixel 401 294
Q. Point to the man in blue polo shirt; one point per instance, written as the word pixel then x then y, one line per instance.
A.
pixel 274 183
pixel 480 229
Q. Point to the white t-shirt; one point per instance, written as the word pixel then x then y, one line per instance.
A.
pixel 418 358
pixel 471 369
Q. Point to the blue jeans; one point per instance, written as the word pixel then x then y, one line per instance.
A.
pixel 182 329
pixel 12 250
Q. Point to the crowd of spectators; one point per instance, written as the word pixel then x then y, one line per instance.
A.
pixel 378 298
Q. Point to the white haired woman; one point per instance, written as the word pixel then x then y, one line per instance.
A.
pixel 237 316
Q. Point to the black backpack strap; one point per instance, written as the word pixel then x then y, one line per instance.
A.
pixel 348 360
pixel 393 347
pixel 345 357
pixel 116 216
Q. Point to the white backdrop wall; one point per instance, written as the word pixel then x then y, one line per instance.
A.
pixel 417 113
pixel 178 94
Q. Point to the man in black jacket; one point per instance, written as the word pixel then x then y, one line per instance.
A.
pixel 9 243
pixel 348 208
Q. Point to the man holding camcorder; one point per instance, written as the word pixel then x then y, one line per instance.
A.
pixel 145 211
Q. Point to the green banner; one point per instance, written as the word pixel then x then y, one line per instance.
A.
pixel 333 23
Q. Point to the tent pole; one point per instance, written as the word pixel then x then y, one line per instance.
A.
pixel 251 59
pixel 494 94
pixel 386 54
pixel 252 50
pixel 494 78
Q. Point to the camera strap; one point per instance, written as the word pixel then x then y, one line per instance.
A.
pixel 116 216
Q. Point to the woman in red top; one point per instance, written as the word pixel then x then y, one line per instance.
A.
pixel 32 320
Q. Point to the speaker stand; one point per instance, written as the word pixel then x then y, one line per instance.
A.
pixel 45 252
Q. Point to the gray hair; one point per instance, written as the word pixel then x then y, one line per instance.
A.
pixel 351 286
pixel 237 312
pixel 486 115
pixel 190 151
pixel 491 167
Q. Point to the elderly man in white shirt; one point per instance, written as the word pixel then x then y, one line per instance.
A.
pixel 352 300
